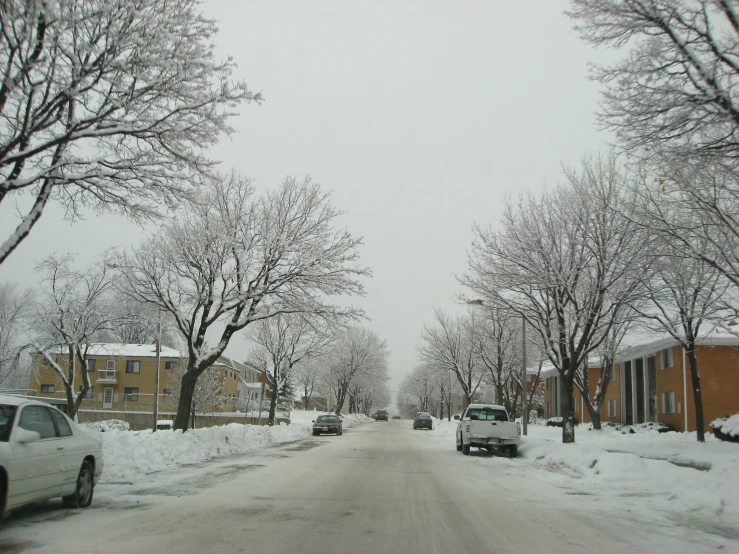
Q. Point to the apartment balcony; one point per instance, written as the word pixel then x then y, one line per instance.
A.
pixel 107 376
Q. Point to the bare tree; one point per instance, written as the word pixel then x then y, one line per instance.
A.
pixel 686 296
pixel 696 209
pixel 449 344
pixel 108 105
pixel 208 395
pixel 233 259
pixel 15 306
pixel 72 313
pixel 606 355
pixel 497 341
pixel 675 95
pixel 419 387
pixel 357 352
pixel 565 262
pixel 284 341
pixel 308 377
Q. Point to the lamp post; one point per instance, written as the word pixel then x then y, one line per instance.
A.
pixel 156 374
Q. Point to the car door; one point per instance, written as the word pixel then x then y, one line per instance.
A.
pixel 73 450
pixel 36 466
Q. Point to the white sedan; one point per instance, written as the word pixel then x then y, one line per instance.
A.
pixel 44 454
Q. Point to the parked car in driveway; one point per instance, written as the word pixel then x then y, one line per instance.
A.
pixel 423 421
pixel 44 454
pixel 327 424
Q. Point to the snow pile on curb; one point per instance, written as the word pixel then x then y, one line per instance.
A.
pixel 129 454
pixel 675 472
pixel 107 425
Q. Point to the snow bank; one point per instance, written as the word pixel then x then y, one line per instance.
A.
pixel 130 454
pixel 107 425
pixel 673 471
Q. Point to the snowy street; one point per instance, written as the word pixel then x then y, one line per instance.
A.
pixel 381 487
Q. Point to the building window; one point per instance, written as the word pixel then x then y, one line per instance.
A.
pixel 170 365
pixel 110 364
pixel 131 394
pixel 88 396
pixel 90 366
pixel 133 366
pixel 667 358
pixel 546 384
pixel 668 402
pixel 47 388
pixel 611 408
pixel 548 412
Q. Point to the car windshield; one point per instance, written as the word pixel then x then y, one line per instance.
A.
pixel 7 413
pixel 487 414
pixel 327 419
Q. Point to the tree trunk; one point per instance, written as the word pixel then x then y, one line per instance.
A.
pixel 697 396
pixel 568 405
pixel 272 406
pixel 187 390
pixel 594 416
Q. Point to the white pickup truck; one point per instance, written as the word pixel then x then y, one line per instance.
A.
pixel 488 426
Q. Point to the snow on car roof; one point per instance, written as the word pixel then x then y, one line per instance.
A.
pixel 13 400
pixel 480 406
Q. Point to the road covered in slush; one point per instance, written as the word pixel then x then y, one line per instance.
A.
pixel 380 488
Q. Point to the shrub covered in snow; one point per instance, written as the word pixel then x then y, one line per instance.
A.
pixel 726 429
pixel 634 429
pixel 108 425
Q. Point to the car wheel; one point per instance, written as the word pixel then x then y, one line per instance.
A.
pixel 513 452
pixel 466 449
pixel 459 446
pixel 82 496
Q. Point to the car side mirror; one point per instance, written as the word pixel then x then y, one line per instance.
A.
pixel 313 421
pixel 24 436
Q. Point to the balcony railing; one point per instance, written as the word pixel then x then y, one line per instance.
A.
pixel 107 376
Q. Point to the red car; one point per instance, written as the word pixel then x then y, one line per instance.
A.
pixel 327 424
pixel 397 417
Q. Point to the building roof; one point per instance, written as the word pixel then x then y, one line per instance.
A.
pixel 643 343
pixel 127 350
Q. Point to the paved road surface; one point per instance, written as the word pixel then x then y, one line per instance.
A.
pixel 381 488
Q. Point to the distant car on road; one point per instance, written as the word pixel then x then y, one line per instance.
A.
pixel 44 454
pixel 381 415
pixel 327 424
pixel 423 421
pixel 397 417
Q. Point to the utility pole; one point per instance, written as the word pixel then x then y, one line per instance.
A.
pixel 524 383
pixel 156 374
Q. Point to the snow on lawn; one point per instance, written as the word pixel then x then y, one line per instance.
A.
pixel 130 454
pixel 667 472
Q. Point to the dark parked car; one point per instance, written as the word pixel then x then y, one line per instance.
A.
pixel 327 424
pixel 381 415
pixel 423 421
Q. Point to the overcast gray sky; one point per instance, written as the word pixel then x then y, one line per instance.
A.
pixel 421 117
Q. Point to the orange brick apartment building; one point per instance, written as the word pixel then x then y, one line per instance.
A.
pixel 651 382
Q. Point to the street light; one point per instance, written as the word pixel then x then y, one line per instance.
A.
pixel 524 373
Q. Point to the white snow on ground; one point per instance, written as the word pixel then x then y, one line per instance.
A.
pixel 649 474
pixel 130 454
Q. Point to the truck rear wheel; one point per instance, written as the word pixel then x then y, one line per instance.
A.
pixel 466 449
pixel 513 451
